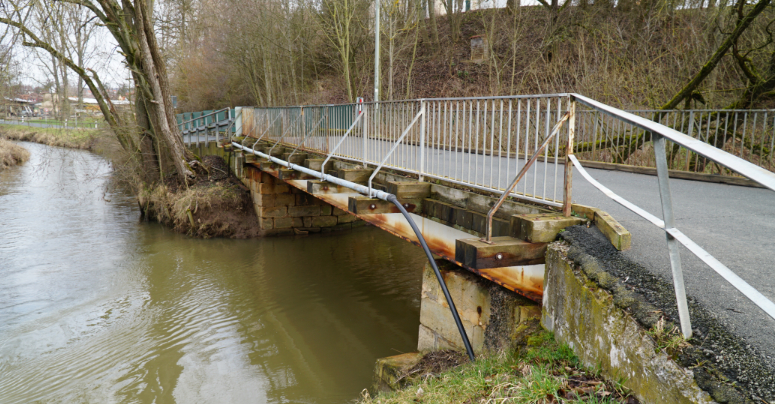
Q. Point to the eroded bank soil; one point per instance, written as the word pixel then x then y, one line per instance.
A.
pixel 216 204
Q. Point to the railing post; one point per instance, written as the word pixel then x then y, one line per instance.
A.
pixel 422 140
pixel 672 243
pixel 567 201
pixel 365 133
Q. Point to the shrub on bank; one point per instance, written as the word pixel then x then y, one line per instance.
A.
pixel 12 154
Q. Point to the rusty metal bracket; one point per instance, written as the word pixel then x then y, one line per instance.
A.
pixel 522 172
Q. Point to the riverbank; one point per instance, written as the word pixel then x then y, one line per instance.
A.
pixel 11 154
pixel 543 371
pixel 216 204
pixel 84 139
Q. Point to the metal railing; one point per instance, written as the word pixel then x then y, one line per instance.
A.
pixel 206 126
pixel 664 140
pixel 479 143
pixel 515 146
pixel 747 134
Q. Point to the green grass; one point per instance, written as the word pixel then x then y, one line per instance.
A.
pixel 541 372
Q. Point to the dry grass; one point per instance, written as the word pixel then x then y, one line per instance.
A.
pixel 11 154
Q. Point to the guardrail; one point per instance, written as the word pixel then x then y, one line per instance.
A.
pixel 514 146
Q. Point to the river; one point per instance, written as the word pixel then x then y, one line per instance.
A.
pixel 97 307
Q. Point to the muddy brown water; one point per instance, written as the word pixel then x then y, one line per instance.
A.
pixel 97 307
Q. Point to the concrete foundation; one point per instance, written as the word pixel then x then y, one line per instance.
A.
pixel 494 318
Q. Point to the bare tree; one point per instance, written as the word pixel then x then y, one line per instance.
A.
pixel 159 146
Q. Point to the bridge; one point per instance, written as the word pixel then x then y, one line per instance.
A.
pixel 486 183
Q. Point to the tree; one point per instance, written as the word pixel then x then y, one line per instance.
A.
pixel 158 147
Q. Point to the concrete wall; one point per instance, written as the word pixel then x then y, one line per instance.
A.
pixel 604 336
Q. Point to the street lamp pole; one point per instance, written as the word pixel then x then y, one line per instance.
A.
pixel 376 49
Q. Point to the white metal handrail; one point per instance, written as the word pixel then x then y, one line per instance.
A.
pixel 659 134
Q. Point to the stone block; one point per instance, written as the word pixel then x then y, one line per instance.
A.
pixel 586 212
pixel 317 164
pixel 321 221
pixel 266 188
pixel 264 200
pixel 390 372
pixel 325 209
pixel 339 212
pixel 542 227
pixel 284 199
pixel 281 188
pixel 303 198
pixel 613 231
pixel 304 211
pixel 426 339
pixel 275 211
pixel 297 158
pixel 438 318
pixel 266 223
pixel 283 222
pixel 267 178
pixel 346 218
pixel 298 222
pixel 307 222
pixel 409 189
pixel 357 175
pixel 503 252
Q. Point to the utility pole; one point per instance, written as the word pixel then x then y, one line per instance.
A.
pixel 376 50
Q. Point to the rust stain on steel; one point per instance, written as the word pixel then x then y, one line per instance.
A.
pixel 526 280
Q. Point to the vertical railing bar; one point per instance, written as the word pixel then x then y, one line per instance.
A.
pixel 546 150
pixel 762 137
pixel 476 155
pixel 516 139
pixel 557 150
pixel 742 139
pixel 567 200
pixel 672 243
pixel 508 141
pixel 535 148
pixel 484 143
pixel 492 142
pixel 500 146
pixel 457 139
pixel 772 139
pixel 527 139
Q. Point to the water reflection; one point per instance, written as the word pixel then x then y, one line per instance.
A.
pixel 96 307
